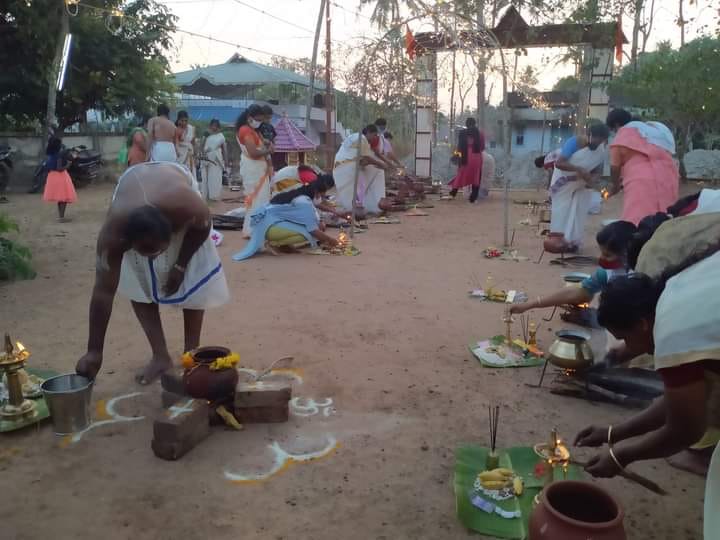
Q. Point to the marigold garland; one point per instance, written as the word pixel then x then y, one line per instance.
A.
pixel 226 362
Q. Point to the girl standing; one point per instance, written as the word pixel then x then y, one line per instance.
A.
pixel 58 187
pixel 471 144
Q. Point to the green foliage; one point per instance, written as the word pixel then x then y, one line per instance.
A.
pixel 14 258
pixel 567 84
pixel 677 86
pixel 117 65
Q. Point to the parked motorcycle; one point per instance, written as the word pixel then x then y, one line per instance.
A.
pixel 6 166
pixel 85 166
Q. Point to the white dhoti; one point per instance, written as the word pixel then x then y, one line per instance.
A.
pixel 143 279
pixel 204 286
pixel 163 151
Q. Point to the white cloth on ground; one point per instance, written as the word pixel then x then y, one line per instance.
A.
pixel 143 279
pixel 163 151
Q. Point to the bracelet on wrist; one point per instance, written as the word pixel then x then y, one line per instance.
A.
pixel 609 439
pixel 179 268
pixel 615 459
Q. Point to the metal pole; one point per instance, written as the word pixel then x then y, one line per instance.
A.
pixel 329 136
pixel 313 68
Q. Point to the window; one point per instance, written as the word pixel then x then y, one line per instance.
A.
pixel 520 136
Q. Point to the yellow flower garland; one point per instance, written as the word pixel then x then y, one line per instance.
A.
pixel 226 362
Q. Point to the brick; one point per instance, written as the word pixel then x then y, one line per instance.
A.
pixel 263 415
pixel 180 428
pixel 262 394
pixel 172 381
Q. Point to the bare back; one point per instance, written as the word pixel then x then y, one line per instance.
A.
pixel 160 128
pixel 162 185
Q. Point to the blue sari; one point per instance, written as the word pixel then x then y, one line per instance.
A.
pixel 298 216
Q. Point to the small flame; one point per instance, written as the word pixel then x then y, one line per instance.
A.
pixel 605 194
pixel 19 346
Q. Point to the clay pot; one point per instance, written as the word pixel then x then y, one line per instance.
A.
pixel 201 383
pixel 572 510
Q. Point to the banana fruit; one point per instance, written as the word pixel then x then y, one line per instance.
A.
pixel 497 478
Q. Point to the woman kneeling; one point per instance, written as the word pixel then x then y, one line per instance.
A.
pixel 289 220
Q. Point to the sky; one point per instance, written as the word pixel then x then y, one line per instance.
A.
pixel 286 28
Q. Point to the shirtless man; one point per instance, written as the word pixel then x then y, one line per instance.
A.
pixel 161 134
pixel 155 248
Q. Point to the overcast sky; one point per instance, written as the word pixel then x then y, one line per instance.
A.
pixel 261 34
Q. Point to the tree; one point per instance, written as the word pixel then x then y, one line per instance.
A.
pixel 567 84
pixel 676 86
pixel 117 64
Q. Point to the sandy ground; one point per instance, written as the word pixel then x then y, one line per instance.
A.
pixel 384 335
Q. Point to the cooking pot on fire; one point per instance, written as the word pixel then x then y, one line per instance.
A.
pixel 571 350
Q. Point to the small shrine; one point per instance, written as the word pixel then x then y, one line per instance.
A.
pixel 292 146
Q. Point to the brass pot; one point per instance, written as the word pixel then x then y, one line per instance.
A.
pixel 571 350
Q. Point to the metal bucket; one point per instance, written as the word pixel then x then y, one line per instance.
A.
pixel 68 399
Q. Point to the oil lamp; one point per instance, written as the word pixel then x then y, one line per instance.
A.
pixel 12 360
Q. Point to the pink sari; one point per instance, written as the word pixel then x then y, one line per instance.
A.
pixel 650 177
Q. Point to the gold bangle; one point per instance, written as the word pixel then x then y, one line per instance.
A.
pixel 609 441
pixel 615 459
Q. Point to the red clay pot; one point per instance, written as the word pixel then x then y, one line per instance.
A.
pixel 201 383
pixel 572 510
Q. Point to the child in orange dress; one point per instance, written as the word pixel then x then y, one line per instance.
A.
pixel 59 187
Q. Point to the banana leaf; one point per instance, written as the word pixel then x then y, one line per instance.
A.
pixel 470 460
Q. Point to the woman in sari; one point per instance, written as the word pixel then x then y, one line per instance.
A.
pixel 580 161
pixel 660 316
pixel 255 162
pixel 290 220
pixel 471 143
pixel 641 161
pixel 185 142
pixel 215 162
pixel 371 176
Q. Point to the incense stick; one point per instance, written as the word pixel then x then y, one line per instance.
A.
pixel 494 416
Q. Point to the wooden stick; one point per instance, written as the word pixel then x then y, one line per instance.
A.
pixel 629 475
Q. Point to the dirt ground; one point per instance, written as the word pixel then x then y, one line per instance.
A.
pixel 383 335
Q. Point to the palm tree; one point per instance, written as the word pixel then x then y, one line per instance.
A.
pixel 385 12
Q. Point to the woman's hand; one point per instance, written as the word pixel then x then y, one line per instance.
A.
pixel 602 466
pixel 174 280
pixel 517 309
pixel 89 365
pixel 592 436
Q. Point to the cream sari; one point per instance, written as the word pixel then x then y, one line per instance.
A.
pixel 371 180
pixel 255 174
pixel 687 319
pixel 186 152
pixel 213 166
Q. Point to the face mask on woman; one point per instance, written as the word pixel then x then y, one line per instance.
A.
pixel 254 123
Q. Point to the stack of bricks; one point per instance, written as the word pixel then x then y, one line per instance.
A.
pixel 185 422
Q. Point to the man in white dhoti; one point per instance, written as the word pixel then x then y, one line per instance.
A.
pixel 156 249
pixel 161 134
pixel 580 161
pixel 371 177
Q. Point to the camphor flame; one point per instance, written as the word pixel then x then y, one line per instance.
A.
pixel 19 346
pixel 605 194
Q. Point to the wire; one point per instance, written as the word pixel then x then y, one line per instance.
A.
pixel 190 33
pixel 356 13
pixel 273 16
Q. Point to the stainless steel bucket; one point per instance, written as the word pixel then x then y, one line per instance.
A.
pixel 68 399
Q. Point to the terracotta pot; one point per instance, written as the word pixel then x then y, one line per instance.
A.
pixel 201 383
pixel 572 510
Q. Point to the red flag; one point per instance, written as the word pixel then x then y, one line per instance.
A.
pixel 619 40
pixel 410 43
